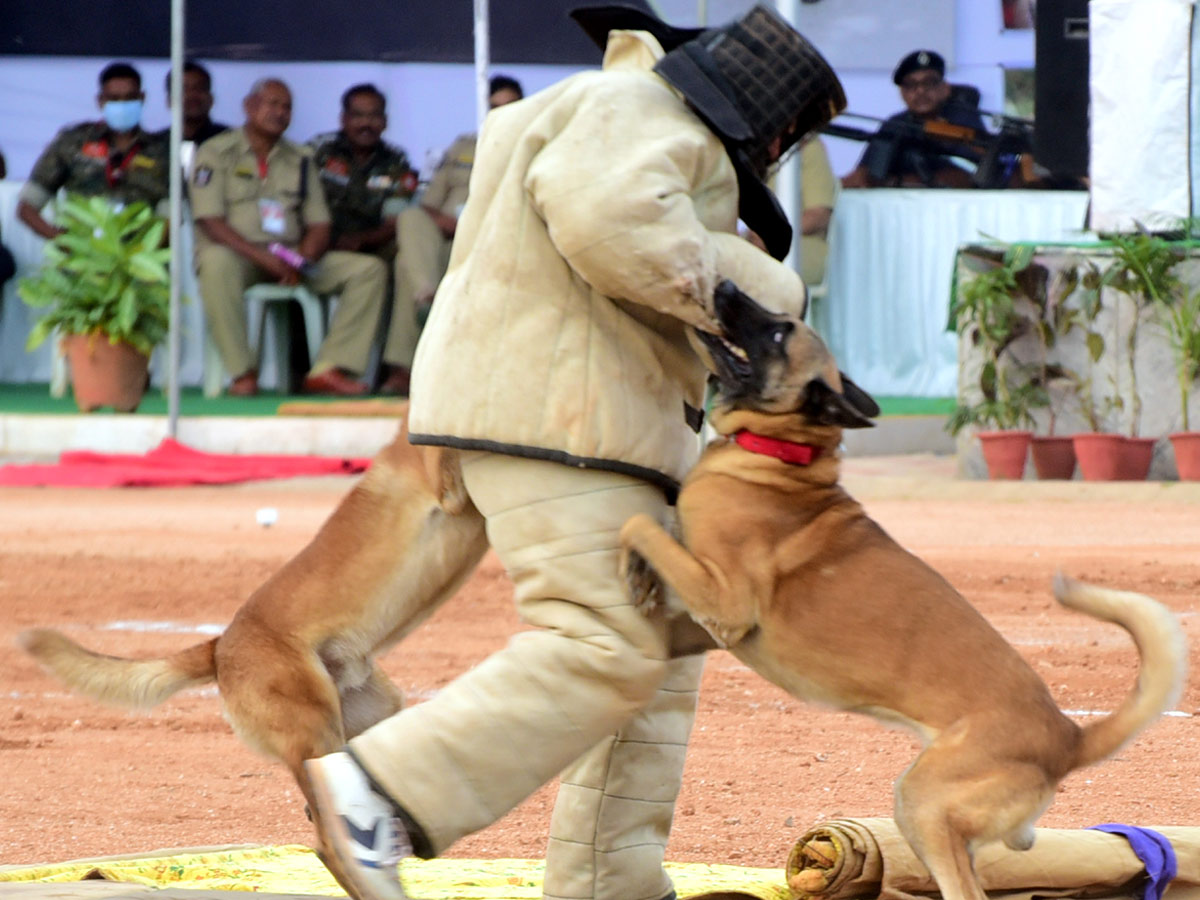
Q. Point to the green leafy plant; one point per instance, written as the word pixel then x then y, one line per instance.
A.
pixel 1076 305
pixel 105 275
pixel 1143 268
pixel 987 310
pixel 1180 319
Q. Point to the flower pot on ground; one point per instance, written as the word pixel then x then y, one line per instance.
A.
pixel 1187 454
pixel 1005 453
pixel 105 374
pixel 1136 455
pixel 1053 457
pixel 1098 455
pixel 104 278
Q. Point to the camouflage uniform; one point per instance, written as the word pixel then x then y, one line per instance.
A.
pixel 78 160
pixel 360 198
pixel 226 184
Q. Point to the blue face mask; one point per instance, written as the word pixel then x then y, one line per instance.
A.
pixel 122 115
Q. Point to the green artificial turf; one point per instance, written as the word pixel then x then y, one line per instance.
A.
pixel 31 399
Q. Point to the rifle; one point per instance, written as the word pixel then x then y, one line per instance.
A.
pixel 995 155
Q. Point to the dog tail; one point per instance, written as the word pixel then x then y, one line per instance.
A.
pixel 139 683
pixel 1162 651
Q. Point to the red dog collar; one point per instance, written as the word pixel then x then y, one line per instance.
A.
pixel 788 451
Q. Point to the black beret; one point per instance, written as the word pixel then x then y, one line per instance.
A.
pixel 917 60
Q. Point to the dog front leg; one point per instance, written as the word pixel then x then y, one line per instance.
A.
pixel 643 538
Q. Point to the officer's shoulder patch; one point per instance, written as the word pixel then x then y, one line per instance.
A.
pixel 202 176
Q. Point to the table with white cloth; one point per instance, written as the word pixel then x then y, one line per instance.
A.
pixel 890 269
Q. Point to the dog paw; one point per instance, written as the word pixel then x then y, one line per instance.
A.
pixel 642 583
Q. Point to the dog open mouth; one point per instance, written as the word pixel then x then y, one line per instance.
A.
pixel 730 361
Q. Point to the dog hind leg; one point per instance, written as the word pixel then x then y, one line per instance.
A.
pixel 946 806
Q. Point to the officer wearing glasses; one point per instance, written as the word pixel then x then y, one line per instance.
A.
pixel 927 144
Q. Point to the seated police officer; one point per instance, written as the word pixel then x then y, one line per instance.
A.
pixel 918 147
pixel 261 216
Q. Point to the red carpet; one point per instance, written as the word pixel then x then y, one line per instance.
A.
pixel 170 464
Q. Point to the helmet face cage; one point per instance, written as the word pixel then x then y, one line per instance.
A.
pixel 780 82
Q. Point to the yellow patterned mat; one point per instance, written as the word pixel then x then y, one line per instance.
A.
pixel 296 870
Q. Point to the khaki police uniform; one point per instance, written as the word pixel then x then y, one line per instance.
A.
pixel 817 188
pixel 360 197
pixel 226 183
pixel 82 160
pixel 424 251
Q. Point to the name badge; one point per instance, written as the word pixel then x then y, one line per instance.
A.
pixel 273 216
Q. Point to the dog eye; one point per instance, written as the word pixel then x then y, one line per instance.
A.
pixel 778 337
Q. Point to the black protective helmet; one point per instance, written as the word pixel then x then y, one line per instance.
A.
pixel 761 71
pixel 751 82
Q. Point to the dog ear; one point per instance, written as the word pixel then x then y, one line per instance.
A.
pixel 859 399
pixel 823 405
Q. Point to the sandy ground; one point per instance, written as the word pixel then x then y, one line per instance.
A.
pixel 147 571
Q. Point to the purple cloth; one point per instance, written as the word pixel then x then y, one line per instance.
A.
pixel 1155 852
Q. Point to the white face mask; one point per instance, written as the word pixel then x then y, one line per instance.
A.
pixel 122 115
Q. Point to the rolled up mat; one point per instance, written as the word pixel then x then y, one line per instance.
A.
pixel 845 859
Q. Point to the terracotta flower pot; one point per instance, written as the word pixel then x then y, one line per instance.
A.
pixel 1053 456
pixel 1005 452
pixel 1099 455
pixel 104 374
pixel 1187 454
pixel 1136 456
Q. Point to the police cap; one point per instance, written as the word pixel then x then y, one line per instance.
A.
pixel 916 61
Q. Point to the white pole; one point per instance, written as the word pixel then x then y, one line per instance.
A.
pixel 481 62
pixel 176 217
pixel 787 182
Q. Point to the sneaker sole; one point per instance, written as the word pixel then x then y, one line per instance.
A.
pixel 328 853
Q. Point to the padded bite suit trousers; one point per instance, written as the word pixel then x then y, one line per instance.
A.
pixel 590 693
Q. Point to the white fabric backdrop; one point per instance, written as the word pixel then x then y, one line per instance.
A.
pixel 890 265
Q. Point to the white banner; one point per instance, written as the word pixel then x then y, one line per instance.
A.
pixel 1140 74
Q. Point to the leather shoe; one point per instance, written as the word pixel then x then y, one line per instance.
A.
pixel 245 385
pixel 332 381
pixel 396 384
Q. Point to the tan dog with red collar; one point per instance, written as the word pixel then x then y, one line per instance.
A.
pixel 296 668
pixel 784 569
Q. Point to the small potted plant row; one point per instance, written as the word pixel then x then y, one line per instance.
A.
pixel 1014 316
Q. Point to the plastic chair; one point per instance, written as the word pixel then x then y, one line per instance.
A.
pixel 272 300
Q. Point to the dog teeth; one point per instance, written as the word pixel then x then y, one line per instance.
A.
pixel 735 350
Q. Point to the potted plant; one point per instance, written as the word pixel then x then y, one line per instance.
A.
pixel 1181 321
pixel 1075 306
pixel 1142 269
pixel 106 285
pixel 1053 454
pixel 986 311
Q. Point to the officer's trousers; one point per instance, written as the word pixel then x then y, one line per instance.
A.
pixel 591 688
pixel 422 252
pixel 357 279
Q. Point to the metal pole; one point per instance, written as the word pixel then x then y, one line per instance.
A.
pixel 787 182
pixel 482 62
pixel 176 219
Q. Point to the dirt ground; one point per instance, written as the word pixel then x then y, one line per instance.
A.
pixel 144 571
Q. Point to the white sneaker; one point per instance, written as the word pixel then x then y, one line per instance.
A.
pixel 362 841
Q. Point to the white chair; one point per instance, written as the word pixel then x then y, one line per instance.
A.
pixel 270 303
